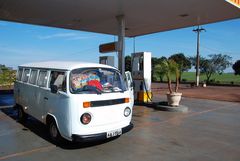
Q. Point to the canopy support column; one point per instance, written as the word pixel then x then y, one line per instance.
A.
pixel 121 43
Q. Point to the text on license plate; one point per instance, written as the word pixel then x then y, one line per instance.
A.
pixel 114 133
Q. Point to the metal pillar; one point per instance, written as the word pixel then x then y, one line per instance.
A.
pixel 121 43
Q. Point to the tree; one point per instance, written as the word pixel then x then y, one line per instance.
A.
pixel 156 72
pixel 236 67
pixel 183 62
pixel 156 60
pixel 217 63
pixel 128 64
pixel 193 60
pixel 207 68
pixel 7 76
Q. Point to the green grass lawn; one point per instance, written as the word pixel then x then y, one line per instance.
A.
pixel 225 78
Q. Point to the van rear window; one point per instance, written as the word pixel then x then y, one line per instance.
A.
pixel 33 77
pixel 19 76
pixel 26 75
pixel 42 79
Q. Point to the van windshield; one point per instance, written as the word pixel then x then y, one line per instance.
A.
pixel 96 81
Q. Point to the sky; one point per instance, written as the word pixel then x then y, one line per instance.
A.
pixel 24 43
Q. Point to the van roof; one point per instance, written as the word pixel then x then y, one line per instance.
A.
pixel 63 65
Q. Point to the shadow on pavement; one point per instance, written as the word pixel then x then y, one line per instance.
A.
pixel 40 130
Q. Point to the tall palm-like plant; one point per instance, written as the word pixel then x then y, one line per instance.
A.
pixel 169 68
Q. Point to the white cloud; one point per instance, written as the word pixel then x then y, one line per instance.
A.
pixel 5 49
pixel 59 35
pixel 13 57
pixel 67 36
pixel 24 53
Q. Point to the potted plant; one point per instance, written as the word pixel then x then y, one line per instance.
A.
pixel 169 67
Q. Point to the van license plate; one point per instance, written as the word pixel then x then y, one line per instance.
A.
pixel 114 133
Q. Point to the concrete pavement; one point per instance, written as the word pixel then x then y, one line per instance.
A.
pixel 209 132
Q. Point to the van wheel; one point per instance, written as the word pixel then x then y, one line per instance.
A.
pixel 22 116
pixel 53 132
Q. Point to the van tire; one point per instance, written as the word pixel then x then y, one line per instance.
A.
pixel 54 132
pixel 22 116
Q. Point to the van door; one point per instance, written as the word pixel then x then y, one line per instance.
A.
pixel 129 82
pixel 57 103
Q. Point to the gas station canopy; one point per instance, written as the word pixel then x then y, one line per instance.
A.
pixel 141 16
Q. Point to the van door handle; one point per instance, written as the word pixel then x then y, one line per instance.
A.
pixel 45 98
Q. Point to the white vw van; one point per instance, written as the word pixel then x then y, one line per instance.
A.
pixel 77 101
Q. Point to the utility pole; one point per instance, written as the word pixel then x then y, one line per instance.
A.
pixel 198 31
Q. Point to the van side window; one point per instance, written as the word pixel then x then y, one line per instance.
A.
pixel 42 79
pixel 33 77
pixel 26 75
pixel 59 79
pixel 20 71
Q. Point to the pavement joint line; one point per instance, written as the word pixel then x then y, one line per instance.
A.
pixel 27 152
pixel 179 117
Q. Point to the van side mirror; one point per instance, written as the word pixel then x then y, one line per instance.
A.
pixel 54 88
pixel 128 79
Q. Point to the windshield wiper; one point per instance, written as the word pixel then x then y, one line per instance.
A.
pixel 88 88
pixel 92 88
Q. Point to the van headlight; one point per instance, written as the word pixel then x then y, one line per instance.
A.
pixel 86 118
pixel 127 111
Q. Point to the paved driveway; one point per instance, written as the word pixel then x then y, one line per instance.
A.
pixel 209 132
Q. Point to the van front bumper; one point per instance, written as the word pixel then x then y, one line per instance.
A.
pixel 99 136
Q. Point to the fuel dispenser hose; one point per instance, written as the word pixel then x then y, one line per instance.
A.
pixel 149 98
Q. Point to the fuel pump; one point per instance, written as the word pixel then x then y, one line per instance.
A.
pixel 141 74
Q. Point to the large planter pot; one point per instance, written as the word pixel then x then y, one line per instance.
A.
pixel 174 98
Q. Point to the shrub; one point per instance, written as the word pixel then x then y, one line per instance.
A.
pixel 184 80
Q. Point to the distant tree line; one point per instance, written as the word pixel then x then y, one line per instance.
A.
pixel 213 64
pixel 216 63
